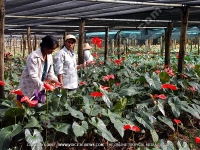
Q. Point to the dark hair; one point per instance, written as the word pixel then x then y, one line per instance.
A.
pixel 48 42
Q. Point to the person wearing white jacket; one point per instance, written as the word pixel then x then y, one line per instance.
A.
pixel 65 64
pixel 39 67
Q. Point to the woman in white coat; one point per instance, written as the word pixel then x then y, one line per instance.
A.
pixel 39 67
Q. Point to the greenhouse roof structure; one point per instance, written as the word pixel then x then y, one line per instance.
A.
pixel 139 19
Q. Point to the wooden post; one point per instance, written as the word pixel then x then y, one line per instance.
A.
pixel 106 45
pixel 113 47
pixel 2 21
pixel 80 42
pixel 24 45
pixel 64 36
pixel 29 39
pixel 182 49
pixel 14 41
pixel 118 44
pixel 168 43
pixel 21 43
pixel 35 42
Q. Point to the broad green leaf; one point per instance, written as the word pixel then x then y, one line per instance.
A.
pixel 99 124
pixel 145 122
pixel 166 121
pixel 106 98
pixel 35 140
pixel 128 92
pixel 120 105
pixel 116 120
pixel 75 113
pixel 182 146
pixel 154 81
pixel 161 107
pixel 175 105
pixel 168 146
pixel 64 128
pixel 154 136
pixel 79 130
pixel 33 122
pixel 6 135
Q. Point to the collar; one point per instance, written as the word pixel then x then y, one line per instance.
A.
pixel 68 51
pixel 38 54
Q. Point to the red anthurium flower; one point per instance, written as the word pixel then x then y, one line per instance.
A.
pixel 197 140
pixel 135 128
pixel 169 86
pixel 18 92
pixel 157 71
pixel 123 58
pixel 92 62
pixel 161 96
pixel 2 83
pixel 82 83
pixel 127 127
pixel 48 87
pixel 96 94
pixel 111 76
pixel 192 88
pixel 177 121
pixel 183 75
pixel 97 41
pixel 107 78
pixel 117 84
pixel 104 87
pixel 31 103
pixel 118 62
pixel 24 99
pixel 95 55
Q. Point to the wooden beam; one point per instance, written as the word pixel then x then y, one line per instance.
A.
pixel 2 21
pixel 168 38
pixel 24 45
pixel 182 49
pixel 80 42
pixel 106 45
pixel 29 39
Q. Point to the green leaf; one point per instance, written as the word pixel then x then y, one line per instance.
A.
pixel 117 122
pixel 145 122
pixel 182 146
pixel 153 81
pixel 168 146
pixel 64 128
pixel 154 136
pixel 161 107
pixel 166 121
pixel 75 113
pixel 120 105
pixel 164 77
pixel 6 135
pixel 35 140
pixel 79 130
pixel 128 92
pixel 99 124
pixel 175 105
pixel 33 122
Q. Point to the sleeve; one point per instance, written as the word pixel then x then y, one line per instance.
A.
pixel 58 63
pixel 33 71
pixel 51 74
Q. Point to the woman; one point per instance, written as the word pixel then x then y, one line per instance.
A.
pixel 39 67
pixel 65 64
pixel 87 55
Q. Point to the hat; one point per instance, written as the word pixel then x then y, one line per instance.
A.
pixel 86 46
pixel 69 36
